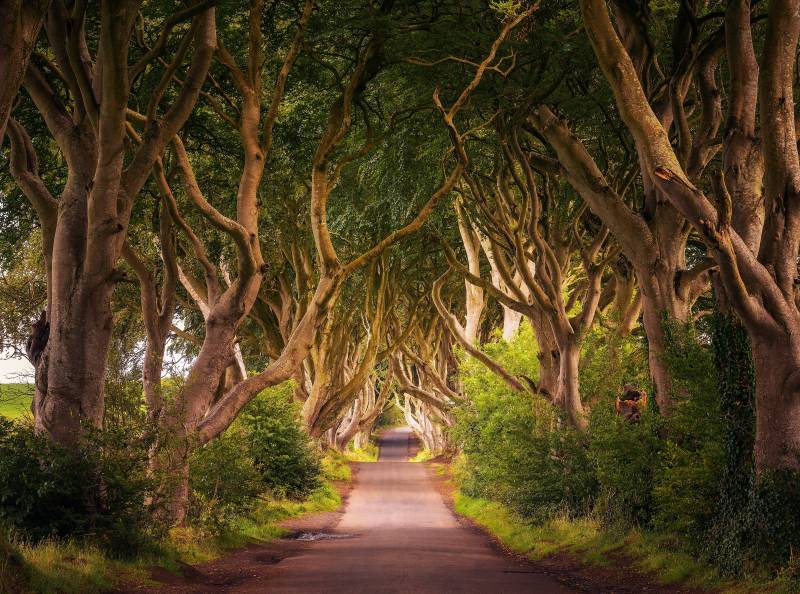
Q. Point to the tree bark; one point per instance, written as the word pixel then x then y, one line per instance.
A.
pixel 760 287
pixel 95 205
pixel 655 248
pixel 473 294
pixel 568 394
pixel 777 365
pixel 549 356
pixel 20 23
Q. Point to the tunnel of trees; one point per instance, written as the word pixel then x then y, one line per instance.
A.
pixel 559 240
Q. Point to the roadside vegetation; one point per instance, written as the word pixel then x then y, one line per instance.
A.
pixel 656 494
pixel 591 540
pixel 422 456
pixel 559 240
pixel 58 541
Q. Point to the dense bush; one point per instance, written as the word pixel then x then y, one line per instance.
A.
pixel 224 483
pixel 265 452
pixel 517 448
pixel 391 416
pixel 102 491
pixel 282 452
pixel 689 474
pixel 609 361
pixel 776 517
pixel 687 485
pixel 625 457
pixel 96 492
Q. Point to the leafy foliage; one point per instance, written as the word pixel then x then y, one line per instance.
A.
pixel 224 483
pixel 625 458
pixel 517 449
pixel 282 453
pixel 687 486
pixel 688 475
pixel 96 492
pixel 264 453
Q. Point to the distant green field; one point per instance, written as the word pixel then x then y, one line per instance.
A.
pixel 15 400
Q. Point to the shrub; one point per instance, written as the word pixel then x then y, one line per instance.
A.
pixel 608 362
pixel 776 516
pixel 732 529
pixel 518 449
pixel 94 492
pixel 281 450
pixel 625 457
pixel 264 452
pixel 391 416
pixel 689 475
pixel 687 487
pixel 224 483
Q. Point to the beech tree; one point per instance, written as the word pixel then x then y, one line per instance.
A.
pixel 652 233
pixel 20 23
pixel 533 248
pixel 757 263
pixel 84 229
pixel 200 411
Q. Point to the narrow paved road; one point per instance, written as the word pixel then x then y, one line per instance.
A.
pixel 402 539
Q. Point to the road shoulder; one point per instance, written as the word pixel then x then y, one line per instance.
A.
pixel 252 563
pixel 618 577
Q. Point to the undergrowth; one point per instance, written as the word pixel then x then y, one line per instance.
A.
pixel 423 456
pixel 368 453
pixel 676 492
pixel 65 567
pixel 588 538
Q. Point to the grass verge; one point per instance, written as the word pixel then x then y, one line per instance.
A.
pixel 366 454
pixel 422 456
pixel 586 539
pixel 53 567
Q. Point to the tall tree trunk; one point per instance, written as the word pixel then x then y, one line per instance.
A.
pixel 657 308
pixel 71 372
pixel 569 395
pixel 93 211
pixel 20 22
pixel 654 243
pixel 736 377
pixel 169 464
pixel 511 322
pixel 777 364
pixel 361 439
pixel 473 294
pixel 73 367
pixel 549 356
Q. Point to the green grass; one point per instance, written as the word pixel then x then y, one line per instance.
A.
pixel 66 567
pixel 335 467
pixel 586 539
pixel 422 456
pixel 15 400
pixel 367 454
pixel 190 545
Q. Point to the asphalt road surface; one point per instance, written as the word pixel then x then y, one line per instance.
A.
pixel 397 535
